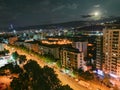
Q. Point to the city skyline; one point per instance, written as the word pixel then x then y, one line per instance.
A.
pixel 72 54
pixel 59 45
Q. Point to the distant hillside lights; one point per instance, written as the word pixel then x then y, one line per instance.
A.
pixel 57 41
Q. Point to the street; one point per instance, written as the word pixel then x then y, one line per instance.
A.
pixel 64 78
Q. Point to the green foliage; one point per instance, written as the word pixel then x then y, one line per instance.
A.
pixel 2 53
pixel 13 68
pixel 59 63
pixel 6 51
pixel 52 80
pixel 15 55
pixel 86 75
pixel 49 58
pixel 2 72
pixel 37 78
pixel 16 69
pixel 80 71
pixel 22 58
pixel 16 84
pixel 64 87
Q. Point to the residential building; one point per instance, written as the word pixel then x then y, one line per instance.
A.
pixel 50 49
pixel 12 40
pixel 91 50
pixel 32 46
pixel 81 46
pixel 99 52
pixel 1 47
pixel 56 41
pixel 111 50
pixel 71 58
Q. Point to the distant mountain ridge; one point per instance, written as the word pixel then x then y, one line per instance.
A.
pixel 71 24
pixel 57 25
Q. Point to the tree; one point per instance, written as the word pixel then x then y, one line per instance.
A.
pixel 59 63
pixel 15 55
pixel 16 84
pixel 22 58
pixel 16 69
pixel 80 71
pixel 6 51
pixel 49 57
pixel 36 78
pixel 32 66
pixel 20 83
pixel 86 75
pixel 64 87
pixel 2 53
pixel 52 81
pixel 13 68
pixel 106 80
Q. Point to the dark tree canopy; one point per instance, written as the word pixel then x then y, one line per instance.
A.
pixel 36 78
pixel 15 55
pixel 22 58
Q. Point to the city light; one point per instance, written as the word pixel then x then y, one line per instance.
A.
pixel 4 61
pixel 56 41
pixel 113 75
pixel 78 40
pixel 100 72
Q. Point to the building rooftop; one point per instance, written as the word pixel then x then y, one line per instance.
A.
pixel 71 49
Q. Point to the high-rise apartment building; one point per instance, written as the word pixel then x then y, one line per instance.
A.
pixel 81 45
pixel 99 52
pixel 111 50
pixel 71 58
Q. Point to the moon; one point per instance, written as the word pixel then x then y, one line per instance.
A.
pixel 96 13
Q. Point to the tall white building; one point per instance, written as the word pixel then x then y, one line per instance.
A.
pixel 71 58
pixel 82 46
pixel 111 50
pixel 99 52
pixel 1 47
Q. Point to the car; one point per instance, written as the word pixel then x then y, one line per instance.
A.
pixel 76 80
pixel 61 70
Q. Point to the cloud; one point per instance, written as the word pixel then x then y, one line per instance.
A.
pixel 96 6
pixel 64 6
pixel 73 6
pixel 58 8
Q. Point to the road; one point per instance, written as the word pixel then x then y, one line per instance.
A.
pixel 65 79
pixel 4 82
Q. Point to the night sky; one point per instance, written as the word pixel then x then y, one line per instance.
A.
pixel 32 12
